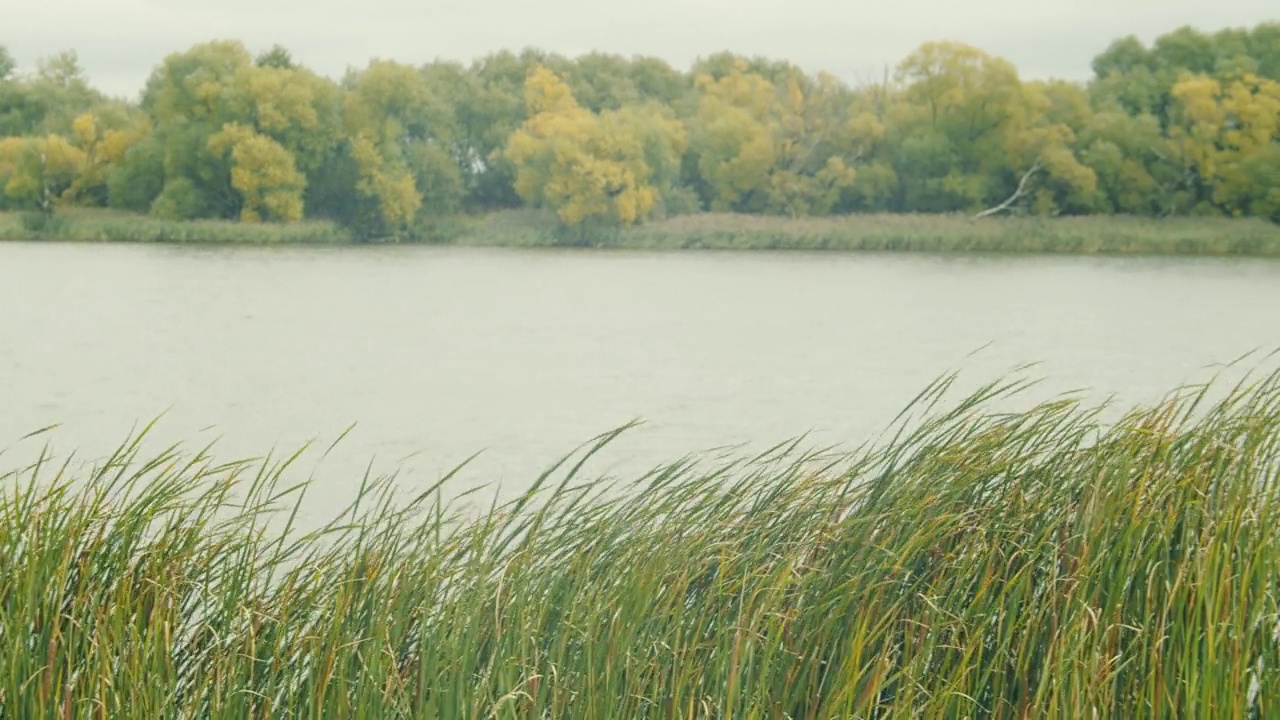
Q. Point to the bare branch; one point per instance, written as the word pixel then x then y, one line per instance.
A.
pixel 1017 194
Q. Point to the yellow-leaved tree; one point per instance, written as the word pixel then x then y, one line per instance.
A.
pixel 734 139
pixel 386 183
pixel 262 173
pixel 104 149
pixel 608 169
pixel 1227 137
pixel 38 171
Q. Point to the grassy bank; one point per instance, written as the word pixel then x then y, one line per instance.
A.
pixel 922 233
pixel 526 228
pixel 979 565
pixel 88 225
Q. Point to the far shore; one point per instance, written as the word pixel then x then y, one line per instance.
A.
pixel 882 232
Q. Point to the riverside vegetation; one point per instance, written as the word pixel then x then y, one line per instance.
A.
pixel 879 232
pixel 620 150
pixel 978 563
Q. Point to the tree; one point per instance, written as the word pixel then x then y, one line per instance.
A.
pixel 1226 136
pixel 490 111
pixel 1126 155
pixel 604 81
pixel 403 156
pixel 411 128
pixel 390 188
pixel 1043 136
pixel 7 65
pixel 735 156
pixel 47 101
pixel 262 172
pixel 136 178
pixel 764 147
pixel 593 170
pixel 1141 80
pixel 973 136
pixel 298 109
pixel 36 172
pixel 217 88
pixel 1264 47
pixel 190 97
pixel 277 57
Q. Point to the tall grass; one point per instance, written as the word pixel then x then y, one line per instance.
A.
pixel 95 225
pixel 975 564
pixel 921 233
pixel 534 228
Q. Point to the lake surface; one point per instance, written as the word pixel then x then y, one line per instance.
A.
pixel 437 353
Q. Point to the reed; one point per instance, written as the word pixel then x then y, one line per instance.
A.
pixel 708 231
pixel 901 233
pixel 94 225
pixel 975 563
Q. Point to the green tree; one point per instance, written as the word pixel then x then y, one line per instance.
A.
pixel 972 136
pixel 277 57
pixel 47 101
pixel 136 178
pixel 1126 154
pixel 1140 79
pixel 490 111
pixel 1264 47
pixel 197 95
pixel 190 98
pixel 603 81
pixel 7 64
pixel 411 127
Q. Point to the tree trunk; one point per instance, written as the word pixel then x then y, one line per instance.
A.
pixel 45 201
pixel 1017 194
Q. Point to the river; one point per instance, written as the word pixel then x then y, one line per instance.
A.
pixel 437 353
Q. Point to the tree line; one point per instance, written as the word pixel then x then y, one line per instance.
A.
pixel 1187 125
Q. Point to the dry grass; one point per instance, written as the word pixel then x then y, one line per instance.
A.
pixel 919 233
pixel 532 228
pixel 91 225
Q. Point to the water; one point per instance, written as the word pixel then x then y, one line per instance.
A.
pixel 438 353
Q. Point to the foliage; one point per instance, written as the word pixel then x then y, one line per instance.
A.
pixel 981 563
pixel 587 167
pixel 7 64
pixel 262 172
pixel 1183 126
pixel 1227 136
pixel 39 172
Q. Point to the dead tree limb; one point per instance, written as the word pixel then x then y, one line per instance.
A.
pixel 1017 194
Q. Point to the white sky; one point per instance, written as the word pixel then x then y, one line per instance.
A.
pixel 121 41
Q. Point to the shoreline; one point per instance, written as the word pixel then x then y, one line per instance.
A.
pixel 1079 235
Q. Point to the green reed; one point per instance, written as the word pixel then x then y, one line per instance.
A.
pixel 975 563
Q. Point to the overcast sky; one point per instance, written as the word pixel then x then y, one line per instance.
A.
pixel 121 41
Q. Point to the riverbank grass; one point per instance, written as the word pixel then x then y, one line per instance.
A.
pixel 979 564
pixel 888 233
pixel 91 225
pixel 915 233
